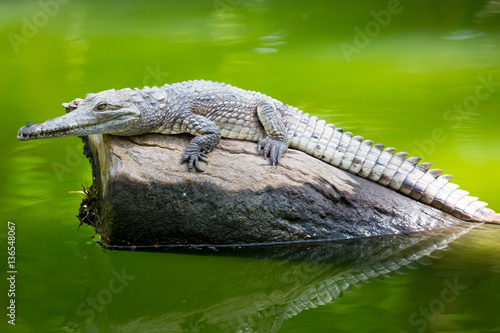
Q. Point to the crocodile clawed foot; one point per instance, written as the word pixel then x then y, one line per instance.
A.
pixel 192 158
pixel 275 149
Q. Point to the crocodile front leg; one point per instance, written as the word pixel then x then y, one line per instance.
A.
pixel 275 144
pixel 207 137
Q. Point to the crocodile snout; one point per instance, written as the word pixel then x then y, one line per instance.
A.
pixel 25 133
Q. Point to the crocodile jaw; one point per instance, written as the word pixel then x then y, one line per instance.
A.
pixel 32 132
pixel 67 125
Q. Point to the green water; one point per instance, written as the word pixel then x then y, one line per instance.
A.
pixel 424 78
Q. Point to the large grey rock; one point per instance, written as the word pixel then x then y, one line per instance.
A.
pixel 147 197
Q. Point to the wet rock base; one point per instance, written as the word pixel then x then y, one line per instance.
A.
pixel 147 198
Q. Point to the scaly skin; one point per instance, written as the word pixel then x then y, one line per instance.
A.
pixel 211 110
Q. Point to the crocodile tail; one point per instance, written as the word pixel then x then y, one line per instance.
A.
pixel 492 217
pixel 385 166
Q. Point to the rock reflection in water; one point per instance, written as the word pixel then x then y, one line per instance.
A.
pixel 265 286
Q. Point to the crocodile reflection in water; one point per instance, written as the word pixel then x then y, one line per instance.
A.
pixel 270 284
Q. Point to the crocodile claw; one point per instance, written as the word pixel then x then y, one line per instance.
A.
pixel 274 149
pixel 192 159
pixel 72 105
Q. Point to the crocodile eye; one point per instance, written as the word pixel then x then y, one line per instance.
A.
pixel 101 106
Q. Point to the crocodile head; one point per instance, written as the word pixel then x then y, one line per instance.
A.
pixel 107 112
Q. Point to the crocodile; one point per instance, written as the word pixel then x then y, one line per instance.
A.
pixel 211 110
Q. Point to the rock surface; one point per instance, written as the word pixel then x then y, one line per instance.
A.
pixel 147 197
